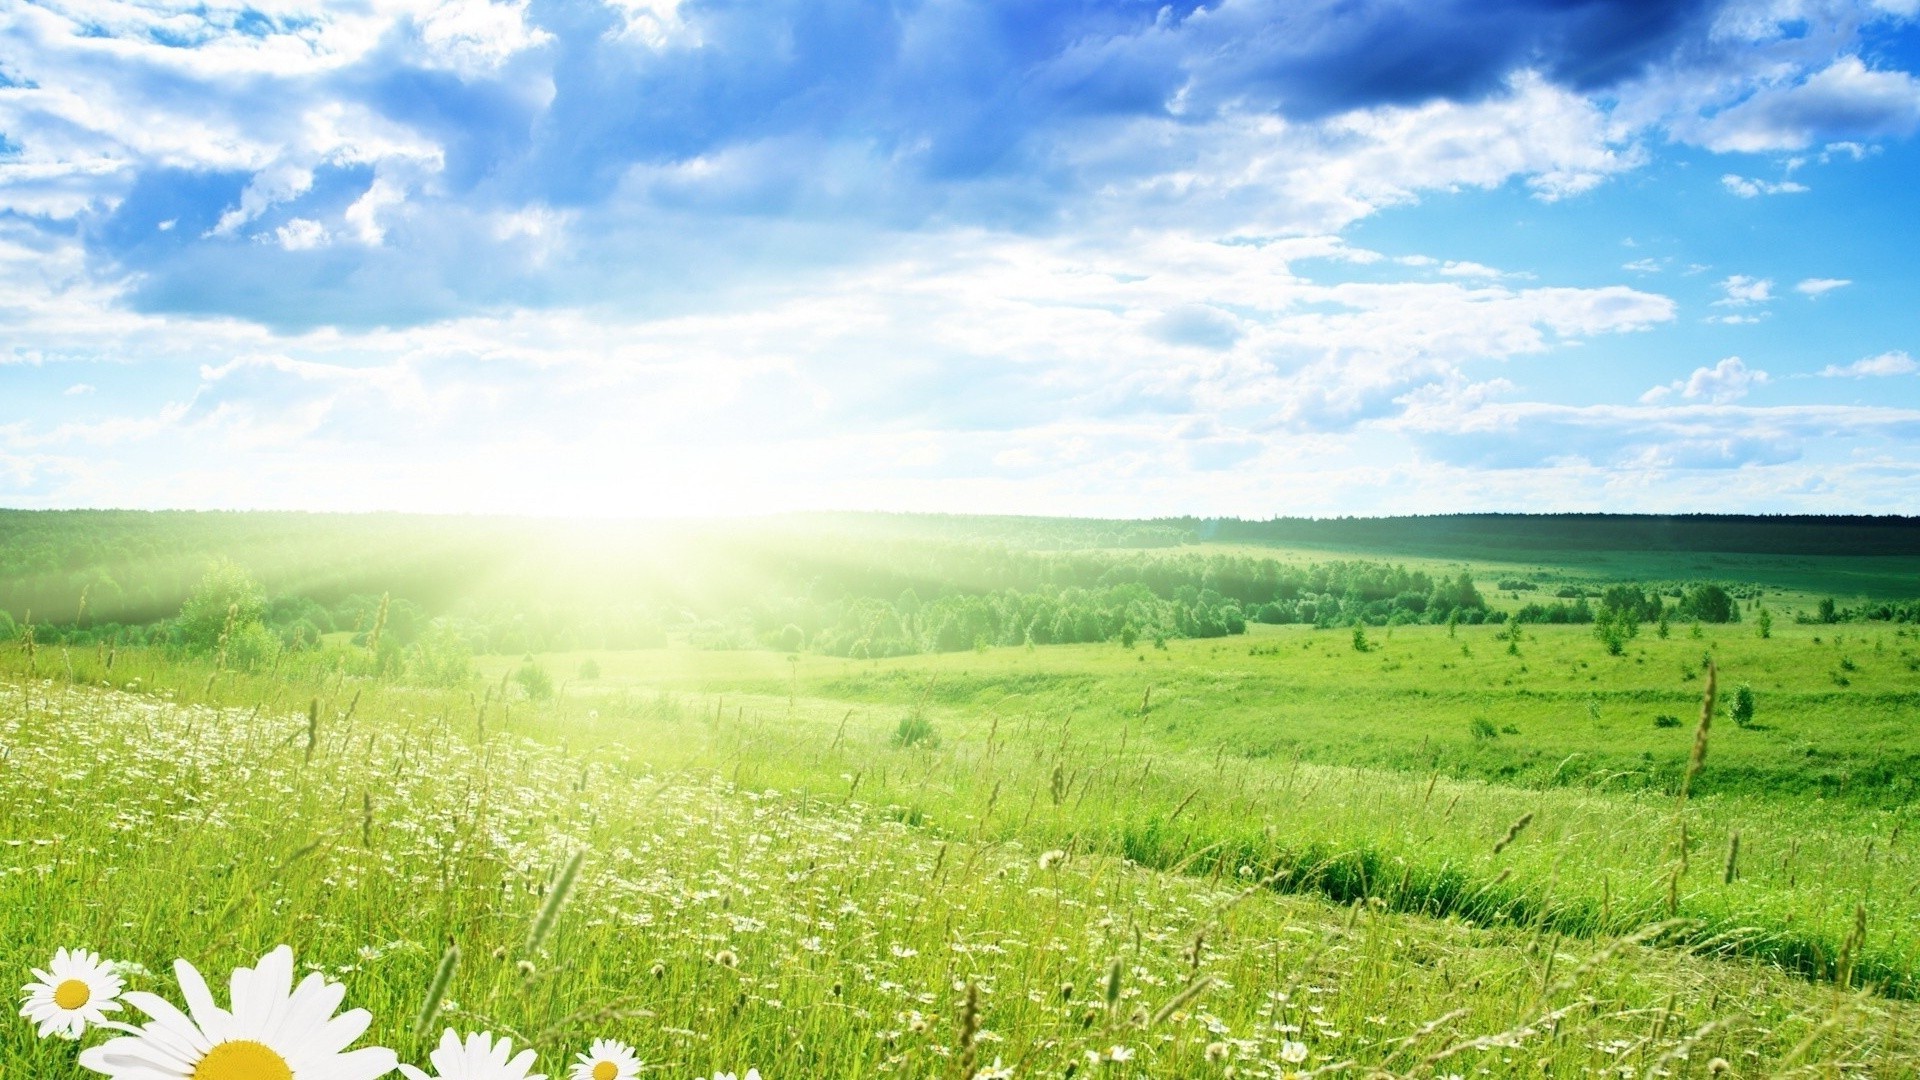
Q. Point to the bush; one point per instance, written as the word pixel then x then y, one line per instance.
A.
pixel 1483 729
pixel 1666 721
pixel 225 593
pixel 1740 709
pixel 534 680
pixel 916 730
pixel 589 669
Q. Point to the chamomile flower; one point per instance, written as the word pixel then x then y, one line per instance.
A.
pixel 76 990
pixel 479 1058
pixel 1293 1053
pixel 606 1060
pixel 273 1031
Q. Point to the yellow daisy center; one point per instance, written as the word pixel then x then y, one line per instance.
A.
pixel 242 1059
pixel 72 994
pixel 605 1070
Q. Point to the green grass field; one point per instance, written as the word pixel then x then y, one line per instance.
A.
pixel 1453 852
pixel 772 881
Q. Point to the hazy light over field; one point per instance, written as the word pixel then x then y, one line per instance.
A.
pixel 1106 258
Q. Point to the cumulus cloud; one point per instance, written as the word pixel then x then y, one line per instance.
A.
pixel 1741 291
pixel 663 130
pixel 1815 288
pixel 1728 380
pixel 1749 189
pixel 1846 98
pixel 1895 362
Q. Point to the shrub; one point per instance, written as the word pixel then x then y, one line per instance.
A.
pixel 1483 729
pixel 534 680
pixel 589 669
pixel 1665 720
pixel 916 730
pixel 1740 709
pixel 225 593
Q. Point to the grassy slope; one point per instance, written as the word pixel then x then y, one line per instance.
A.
pixel 722 924
pixel 1242 724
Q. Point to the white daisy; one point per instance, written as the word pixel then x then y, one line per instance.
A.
pixel 274 1031
pixel 479 1058
pixel 607 1060
pixel 77 989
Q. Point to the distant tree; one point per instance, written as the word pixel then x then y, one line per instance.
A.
pixel 226 593
pixel 589 669
pixel 440 656
pixel 1764 622
pixel 1828 613
pixel 534 680
pixel 224 618
pixel 1709 603
pixel 792 639
pixel 1360 642
pixel 1740 709
pixel 1615 628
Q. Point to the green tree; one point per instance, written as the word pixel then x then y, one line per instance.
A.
pixel 1764 621
pixel 1709 603
pixel 534 680
pixel 1740 709
pixel 224 617
pixel 440 656
pixel 226 591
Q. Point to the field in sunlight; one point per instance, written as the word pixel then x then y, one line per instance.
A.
pixel 973 798
pixel 775 876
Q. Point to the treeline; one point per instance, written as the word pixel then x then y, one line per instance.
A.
pixel 1701 602
pixel 1487 535
pixel 510 586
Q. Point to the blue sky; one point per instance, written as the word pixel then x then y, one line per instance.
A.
pixel 1248 257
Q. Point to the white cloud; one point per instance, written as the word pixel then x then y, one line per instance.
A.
pixel 1748 189
pixel 1887 363
pixel 1845 98
pixel 302 234
pixel 475 36
pixel 1814 288
pixel 1742 290
pixel 78 389
pixel 1728 380
pixel 1469 269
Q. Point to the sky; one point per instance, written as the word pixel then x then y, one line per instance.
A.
pixel 721 257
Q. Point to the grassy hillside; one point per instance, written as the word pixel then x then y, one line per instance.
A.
pixel 986 797
pixel 778 887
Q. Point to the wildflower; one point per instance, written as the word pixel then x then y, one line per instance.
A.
pixel 77 989
pixel 1293 1053
pixel 996 1071
pixel 1218 1051
pixel 607 1060
pixel 1119 1053
pixel 273 1031
pixel 1051 859
pixel 479 1058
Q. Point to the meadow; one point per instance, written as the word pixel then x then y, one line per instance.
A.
pixel 1406 849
